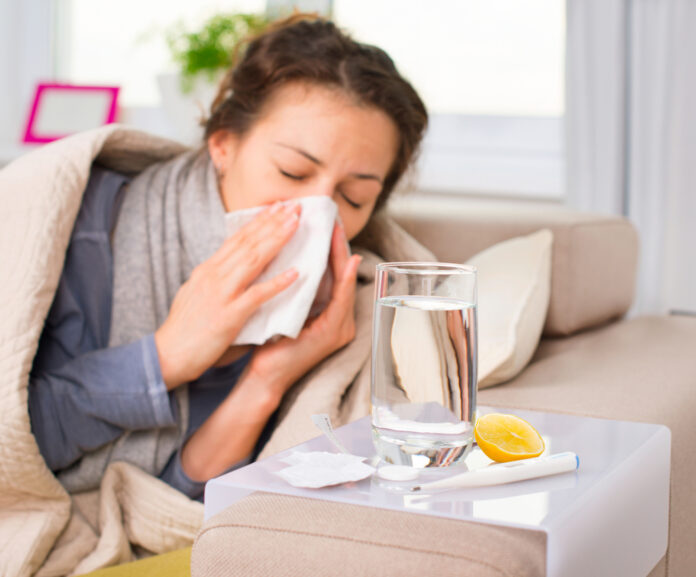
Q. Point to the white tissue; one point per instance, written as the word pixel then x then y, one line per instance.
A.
pixel 321 469
pixel 308 252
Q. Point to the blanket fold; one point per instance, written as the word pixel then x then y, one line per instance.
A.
pixel 43 529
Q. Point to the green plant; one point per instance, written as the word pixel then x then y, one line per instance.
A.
pixel 210 50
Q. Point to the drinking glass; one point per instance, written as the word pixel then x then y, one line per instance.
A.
pixel 424 358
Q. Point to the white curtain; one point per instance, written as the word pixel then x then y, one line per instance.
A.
pixel 595 95
pixel 631 133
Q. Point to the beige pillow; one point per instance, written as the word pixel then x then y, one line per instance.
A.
pixel 514 286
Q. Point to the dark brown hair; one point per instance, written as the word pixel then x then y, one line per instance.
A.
pixel 306 48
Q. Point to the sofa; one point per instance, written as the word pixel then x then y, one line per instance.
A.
pixel 596 358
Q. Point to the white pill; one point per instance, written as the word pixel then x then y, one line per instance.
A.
pixel 398 473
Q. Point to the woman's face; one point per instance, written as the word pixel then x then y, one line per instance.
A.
pixel 310 141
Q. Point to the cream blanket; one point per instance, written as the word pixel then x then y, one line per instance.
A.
pixel 43 530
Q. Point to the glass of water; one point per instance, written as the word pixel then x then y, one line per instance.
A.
pixel 424 359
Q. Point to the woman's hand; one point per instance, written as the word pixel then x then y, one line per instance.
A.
pixel 233 429
pixel 213 305
pixel 280 364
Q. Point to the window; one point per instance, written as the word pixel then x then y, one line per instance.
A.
pixel 491 74
pixel 123 42
pixel 492 77
pixel 473 57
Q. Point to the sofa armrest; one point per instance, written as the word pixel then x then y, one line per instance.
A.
pixel 594 259
pixel 283 535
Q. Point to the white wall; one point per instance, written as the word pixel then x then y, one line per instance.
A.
pixel 9 65
pixel 25 59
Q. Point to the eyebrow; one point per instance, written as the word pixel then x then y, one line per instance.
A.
pixel 318 162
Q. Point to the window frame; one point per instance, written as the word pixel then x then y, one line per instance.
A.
pixel 493 156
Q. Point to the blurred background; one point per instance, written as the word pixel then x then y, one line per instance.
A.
pixel 585 103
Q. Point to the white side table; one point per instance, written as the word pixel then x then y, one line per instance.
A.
pixel 610 517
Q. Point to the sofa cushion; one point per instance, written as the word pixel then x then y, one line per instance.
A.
pixel 266 534
pixel 594 261
pixel 514 279
pixel 642 369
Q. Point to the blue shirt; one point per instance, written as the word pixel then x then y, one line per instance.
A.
pixel 83 394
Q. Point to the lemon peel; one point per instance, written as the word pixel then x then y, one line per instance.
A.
pixel 506 438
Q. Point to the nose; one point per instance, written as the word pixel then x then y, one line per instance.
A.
pixel 320 187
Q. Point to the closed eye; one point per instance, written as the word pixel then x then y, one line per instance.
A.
pixel 349 201
pixel 297 178
pixel 291 176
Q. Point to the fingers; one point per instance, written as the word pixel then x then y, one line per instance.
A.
pixel 339 253
pixel 340 314
pixel 345 271
pixel 271 228
pixel 344 286
pixel 254 246
pixel 274 231
pixel 350 274
pixel 257 294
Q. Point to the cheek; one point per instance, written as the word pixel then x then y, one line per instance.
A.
pixel 353 221
pixel 253 184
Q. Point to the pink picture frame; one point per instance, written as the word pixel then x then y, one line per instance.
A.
pixel 59 110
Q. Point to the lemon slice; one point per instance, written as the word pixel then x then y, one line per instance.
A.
pixel 507 438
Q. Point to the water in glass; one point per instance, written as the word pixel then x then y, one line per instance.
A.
pixel 424 379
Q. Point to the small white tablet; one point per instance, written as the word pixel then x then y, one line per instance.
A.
pixel 398 473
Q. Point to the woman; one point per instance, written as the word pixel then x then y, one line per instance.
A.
pixel 137 364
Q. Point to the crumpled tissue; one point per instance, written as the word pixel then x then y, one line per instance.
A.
pixel 308 252
pixel 321 469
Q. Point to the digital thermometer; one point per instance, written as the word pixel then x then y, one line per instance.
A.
pixel 510 472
